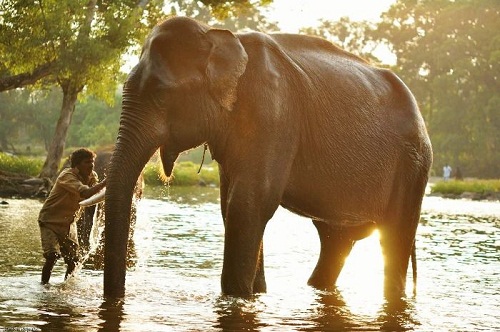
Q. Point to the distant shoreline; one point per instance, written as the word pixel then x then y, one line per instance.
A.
pixel 468 188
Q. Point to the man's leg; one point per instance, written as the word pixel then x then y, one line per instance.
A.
pixel 50 261
pixel 70 253
pixel 51 251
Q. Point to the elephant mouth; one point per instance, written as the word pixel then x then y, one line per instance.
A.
pixel 168 159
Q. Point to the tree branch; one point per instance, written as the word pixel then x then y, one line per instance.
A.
pixel 21 80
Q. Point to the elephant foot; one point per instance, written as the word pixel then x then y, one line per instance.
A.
pixel 259 285
pixel 321 282
pixel 237 288
pixel 336 245
pixel 394 287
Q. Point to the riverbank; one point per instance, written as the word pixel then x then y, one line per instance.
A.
pixel 469 188
pixel 24 185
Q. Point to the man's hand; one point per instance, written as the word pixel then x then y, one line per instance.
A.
pixel 93 190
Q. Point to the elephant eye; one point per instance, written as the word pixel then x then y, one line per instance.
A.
pixel 158 100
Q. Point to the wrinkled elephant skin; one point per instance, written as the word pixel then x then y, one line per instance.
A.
pixel 291 120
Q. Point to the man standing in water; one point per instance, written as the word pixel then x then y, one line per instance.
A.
pixel 57 217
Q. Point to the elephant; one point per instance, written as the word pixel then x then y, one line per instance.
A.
pixel 292 121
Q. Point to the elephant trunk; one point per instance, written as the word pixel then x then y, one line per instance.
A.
pixel 135 144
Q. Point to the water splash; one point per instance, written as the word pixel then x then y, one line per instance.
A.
pixel 95 238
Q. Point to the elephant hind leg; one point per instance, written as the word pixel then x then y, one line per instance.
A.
pixel 396 248
pixel 397 237
pixel 335 247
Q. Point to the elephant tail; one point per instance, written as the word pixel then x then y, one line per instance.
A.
pixel 414 267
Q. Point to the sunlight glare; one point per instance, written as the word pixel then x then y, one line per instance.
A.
pixel 361 280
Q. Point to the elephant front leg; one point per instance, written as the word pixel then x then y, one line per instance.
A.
pixel 335 247
pixel 243 268
pixel 259 284
pixel 236 279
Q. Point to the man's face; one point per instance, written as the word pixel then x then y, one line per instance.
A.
pixel 86 166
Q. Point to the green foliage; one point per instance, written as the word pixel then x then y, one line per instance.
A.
pixel 234 8
pixel 152 174
pixel 446 53
pixel 458 187
pixel 185 174
pixel 209 174
pixel 351 36
pixel 84 42
pixel 95 123
pixel 20 165
pixel 27 117
pixel 232 15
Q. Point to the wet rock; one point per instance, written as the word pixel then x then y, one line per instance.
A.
pixel 23 186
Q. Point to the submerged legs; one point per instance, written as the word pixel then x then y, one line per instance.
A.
pixel 335 247
pixel 50 261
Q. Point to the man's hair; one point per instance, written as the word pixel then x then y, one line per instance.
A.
pixel 79 155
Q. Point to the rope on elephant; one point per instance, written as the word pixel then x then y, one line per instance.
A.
pixel 205 147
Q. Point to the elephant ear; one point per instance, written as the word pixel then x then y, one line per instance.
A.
pixel 171 60
pixel 226 63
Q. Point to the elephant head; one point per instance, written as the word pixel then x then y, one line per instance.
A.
pixel 185 80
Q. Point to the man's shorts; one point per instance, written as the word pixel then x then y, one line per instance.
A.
pixel 53 244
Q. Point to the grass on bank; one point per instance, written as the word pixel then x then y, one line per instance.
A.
pixel 185 173
pixel 20 165
pixel 457 187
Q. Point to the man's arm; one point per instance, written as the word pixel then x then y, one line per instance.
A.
pixel 93 190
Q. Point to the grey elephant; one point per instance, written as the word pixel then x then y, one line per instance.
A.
pixel 292 120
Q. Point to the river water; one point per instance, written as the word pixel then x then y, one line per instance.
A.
pixel 174 283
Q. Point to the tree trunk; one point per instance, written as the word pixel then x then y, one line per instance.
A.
pixel 56 148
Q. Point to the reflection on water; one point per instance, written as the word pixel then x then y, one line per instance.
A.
pixel 175 283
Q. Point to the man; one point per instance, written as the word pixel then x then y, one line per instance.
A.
pixel 446 172
pixel 57 223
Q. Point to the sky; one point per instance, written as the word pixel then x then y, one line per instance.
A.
pixel 294 14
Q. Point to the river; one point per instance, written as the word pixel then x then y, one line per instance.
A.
pixel 174 283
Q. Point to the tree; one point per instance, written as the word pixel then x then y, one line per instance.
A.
pixel 244 14
pixel 448 53
pixel 223 10
pixel 352 36
pixel 83 40
pixel 36 63
pixel 27 116
pixel 9 82
pixel 78 45
pixel 95 124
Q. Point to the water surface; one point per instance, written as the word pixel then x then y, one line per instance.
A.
pixel 174 284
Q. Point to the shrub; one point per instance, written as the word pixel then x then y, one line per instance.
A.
pixel 209 174
pixel 185 174
pixel 152 174
pixel 459 187
pixel 20 165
